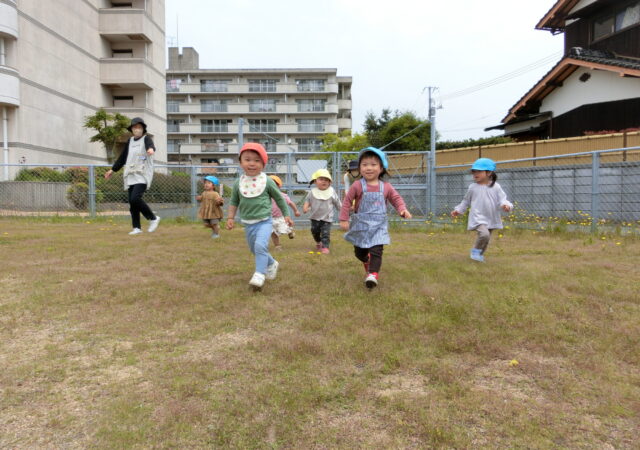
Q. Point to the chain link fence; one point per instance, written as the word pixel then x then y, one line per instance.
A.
pixel 591 189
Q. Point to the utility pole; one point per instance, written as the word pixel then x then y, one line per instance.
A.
pixel 431 176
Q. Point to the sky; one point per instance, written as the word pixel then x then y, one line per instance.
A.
pixel 393 50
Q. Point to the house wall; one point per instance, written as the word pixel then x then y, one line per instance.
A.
pixel 608 116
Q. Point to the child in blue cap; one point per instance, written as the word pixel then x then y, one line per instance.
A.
pixel 486 199
pixel 211 205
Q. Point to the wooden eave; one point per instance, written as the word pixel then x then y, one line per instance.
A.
pixel 554 19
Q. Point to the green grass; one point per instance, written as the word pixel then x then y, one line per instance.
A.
pixel 113 341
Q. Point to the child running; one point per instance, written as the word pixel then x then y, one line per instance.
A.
pixel 320 201
pixel 211 206
pixel 252 194
pixel 279 225
pixel 368 230
pixel 486 198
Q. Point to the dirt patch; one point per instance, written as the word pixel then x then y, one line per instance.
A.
pixel 403 384
pixel 209 349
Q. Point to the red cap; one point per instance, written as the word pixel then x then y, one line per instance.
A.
pixel 255 147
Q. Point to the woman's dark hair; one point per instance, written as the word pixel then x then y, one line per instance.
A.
pixel 367 154
pixel 493 177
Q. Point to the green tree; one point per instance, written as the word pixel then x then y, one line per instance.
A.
pixel 110 128
pixel 383 130
pixel 344 142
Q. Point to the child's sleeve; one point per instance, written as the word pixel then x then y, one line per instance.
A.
pixel 235 194
pixel 502 198
pixel 351 195
pixel 395 199
pixel 275 194
pixel 336 201
pixel 466 201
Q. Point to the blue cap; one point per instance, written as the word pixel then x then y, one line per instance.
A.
pixel 213 179
pixel 484 164
pixel 379 153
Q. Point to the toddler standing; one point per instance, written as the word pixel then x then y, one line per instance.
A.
pixel 211 205
pixel 320 201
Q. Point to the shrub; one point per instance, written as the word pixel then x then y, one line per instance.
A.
pixel 78 195
pixel 42 174
pixel 77 174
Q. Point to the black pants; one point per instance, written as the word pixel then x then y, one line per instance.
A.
pixel 137 205
pixel 373 255
pixel 321 232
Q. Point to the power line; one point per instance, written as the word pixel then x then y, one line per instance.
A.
pixel 503 78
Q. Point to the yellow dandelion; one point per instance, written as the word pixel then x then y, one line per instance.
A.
pixel 311 253
pixel 618 243
pixel 513 362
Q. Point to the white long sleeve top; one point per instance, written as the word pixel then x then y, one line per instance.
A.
pixel 485 203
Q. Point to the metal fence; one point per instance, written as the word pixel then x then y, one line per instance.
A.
pixel 589 189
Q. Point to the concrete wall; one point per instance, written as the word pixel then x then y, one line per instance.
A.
pixel 34 196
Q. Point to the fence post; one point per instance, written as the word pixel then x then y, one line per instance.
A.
pixel 595 191
pixel 194 185
pixel 335 170
pixel 92 191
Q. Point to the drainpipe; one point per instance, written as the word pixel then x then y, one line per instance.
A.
pixel 2 52
pixel 5 142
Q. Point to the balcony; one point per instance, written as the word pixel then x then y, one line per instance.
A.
pixel 9 19
pixel 344 124
pixel 243 88
pixel 9 86
pixel 344 104
pixel 198 128
pixel 124 24
pixel 134 73
pixel 208 148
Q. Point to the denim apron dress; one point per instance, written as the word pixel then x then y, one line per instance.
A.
pixel 368 226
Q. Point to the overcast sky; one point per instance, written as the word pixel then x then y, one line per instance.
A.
pixel 391 49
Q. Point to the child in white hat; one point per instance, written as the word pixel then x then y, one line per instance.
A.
pixel 320 202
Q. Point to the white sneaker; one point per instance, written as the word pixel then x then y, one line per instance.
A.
pixel 371 281
pixel 153 224
pixel 272 270
pixel 135 231
pixel 257 281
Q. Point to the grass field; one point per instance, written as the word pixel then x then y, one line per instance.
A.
pixel 113 341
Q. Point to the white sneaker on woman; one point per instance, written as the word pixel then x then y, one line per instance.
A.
pixel 135 231
pixel 153 224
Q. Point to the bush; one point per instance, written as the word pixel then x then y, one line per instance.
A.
pixel 42 174
pixel 77 174
pixel 78 195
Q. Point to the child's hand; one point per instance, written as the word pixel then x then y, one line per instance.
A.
pixel 297 213
pixel 406 214
pixel 344 225
pixel 230 223
pixel 454 213
pixel 506 208
pixel 305 208
pixel 150 151
pixel 288 221
pixel 108 174
pixel 220 201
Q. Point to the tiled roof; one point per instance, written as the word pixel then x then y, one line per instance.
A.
pixel 604 57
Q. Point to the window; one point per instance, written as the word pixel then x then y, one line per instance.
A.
pixel 173 125
pixel 122 53
pixel 213 105
pixel 214 85
pixel 174 85
pixel 115 4
pixel 214 145
pixel 309 145
pixel 620 19
pixel 310 85
pixel 214 126
pixel 262 125
pixel 173 105
pixel 311 105
pixel 262 105
pixel 269 144
pixel 311 125
pixel 262 85
pixel 173 145
pixel 123 101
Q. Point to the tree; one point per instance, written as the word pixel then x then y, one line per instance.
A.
pixel 383 130
pixel 110 128
pixel 344 142
pixel 493 140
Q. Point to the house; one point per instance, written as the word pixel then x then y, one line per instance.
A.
pixel 596 85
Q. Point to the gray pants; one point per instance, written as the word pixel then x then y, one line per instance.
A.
pixel 484 236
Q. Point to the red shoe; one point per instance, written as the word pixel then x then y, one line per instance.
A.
pixel 372 280
pixel 325 250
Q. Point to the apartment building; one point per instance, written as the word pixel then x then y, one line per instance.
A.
pixel 61 60
pixel 287 110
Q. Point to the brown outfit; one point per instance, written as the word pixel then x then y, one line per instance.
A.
pixel 211 205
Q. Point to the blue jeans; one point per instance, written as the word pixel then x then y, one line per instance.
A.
pixel 258 235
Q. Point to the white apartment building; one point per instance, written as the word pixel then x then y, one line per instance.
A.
pixel 287 110
pixel 61 60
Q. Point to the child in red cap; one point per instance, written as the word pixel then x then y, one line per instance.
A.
pixel 252 194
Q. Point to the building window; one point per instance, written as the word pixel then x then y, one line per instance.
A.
pixel 311 105
pixel 173 105
pixel 310 85
pixel 269 144
pixel 311 125
pixel 173 125
pixel 616 21
pixel 262 105
pixel 123 101
pixel 262 125
pixel 214 85
pixel 213 105
pixel 173 145
pixel 262 85
pixel 214 126
pixel 122 53
pixel 173 85
pixel 309 145
pixel 214 145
